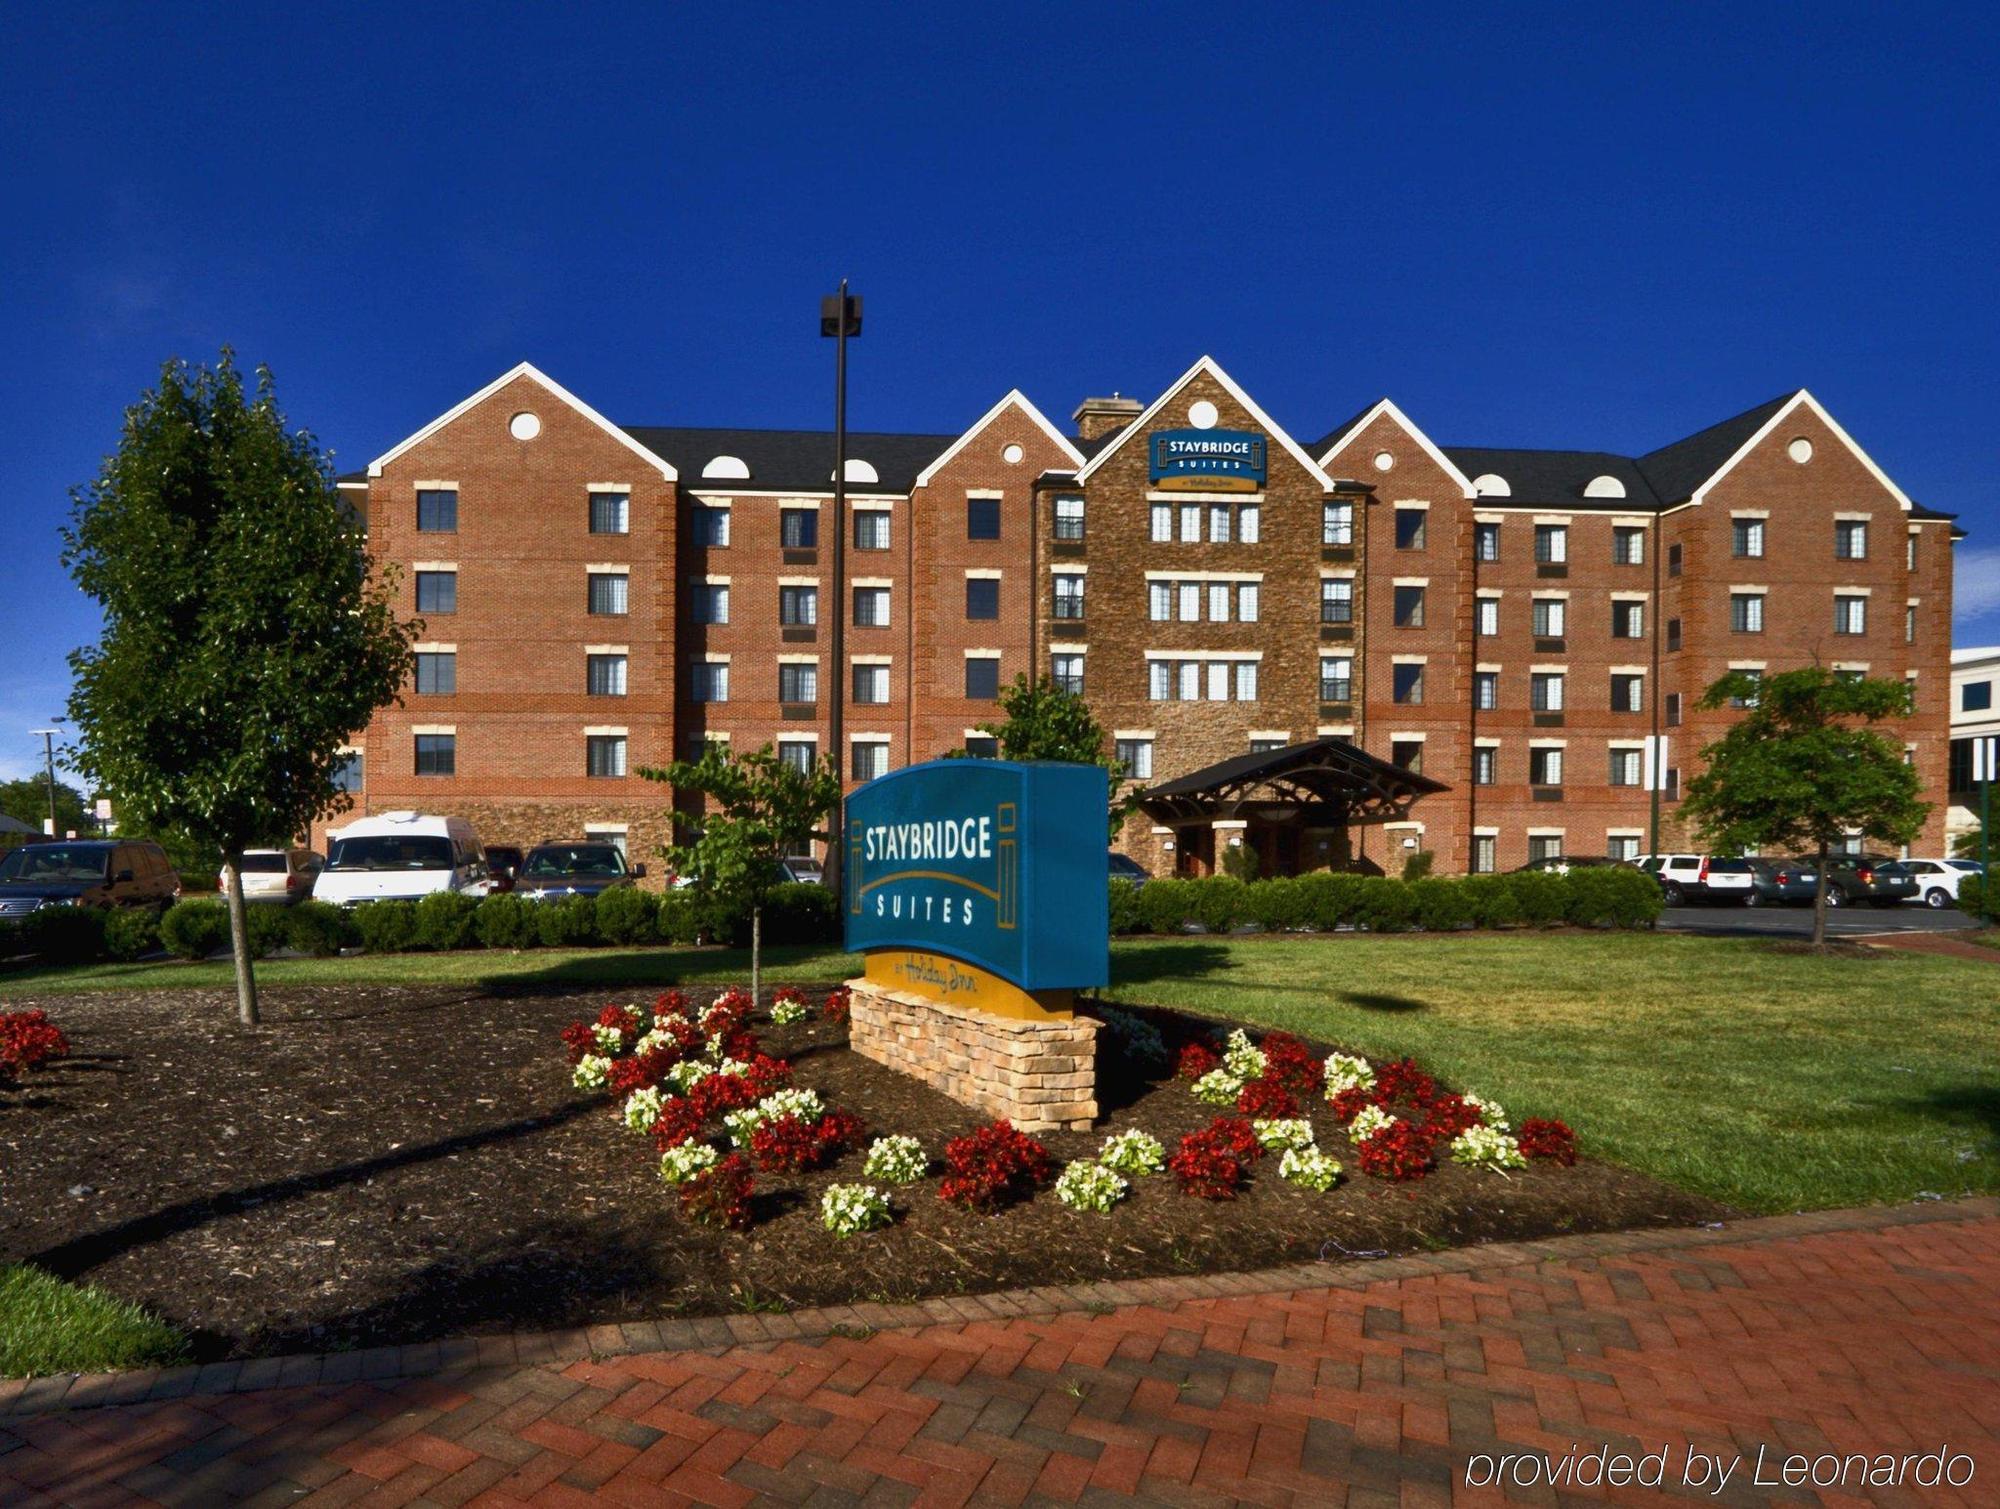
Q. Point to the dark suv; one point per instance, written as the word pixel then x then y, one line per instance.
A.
pixel 86 872
pixel 579 868
pixel 1877 879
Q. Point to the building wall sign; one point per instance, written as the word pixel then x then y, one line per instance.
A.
pixel 1207 461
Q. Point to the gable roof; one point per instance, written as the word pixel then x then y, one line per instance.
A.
pixel 1677 471
pixel 1340 438
pixel 1558 477
pixel 791 461
pixel 1017 399
pixel 556 389
pixel 1208 365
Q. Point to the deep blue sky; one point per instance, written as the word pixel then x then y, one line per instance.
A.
pixel 1529 226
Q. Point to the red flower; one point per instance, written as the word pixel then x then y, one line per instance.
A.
pixel 680 1122
pixel 993 1164
pixel 670 1003
pixel 720 1195
pixel 730 1013
pixel 27 1041
pixel 1211 1163
pixel 717 1093
pixel 1290 1063
pixel 1541 1137
pixel 1448 1114
pixel 579 1040
pixel 767 1074
pixel 838 1007
pixel 1196 1060
pixel 1403 1078
pixel 1268 1099
pixel 839 1130
pixel 785 1144
pixel 1350 1103
pixel 1399 1152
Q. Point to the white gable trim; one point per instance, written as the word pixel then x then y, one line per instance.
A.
pixel 1387 406
pixel 1019 400
pixel 1802 397
pixel 530 371
pixel 1264 422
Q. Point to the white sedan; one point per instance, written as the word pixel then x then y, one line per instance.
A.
pixel 1938 879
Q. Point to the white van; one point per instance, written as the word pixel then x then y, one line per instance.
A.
pixel 401 856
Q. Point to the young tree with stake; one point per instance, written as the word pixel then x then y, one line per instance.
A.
pixel 1803 768
pixel 245 635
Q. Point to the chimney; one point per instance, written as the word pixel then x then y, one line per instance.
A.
pixel 1097 417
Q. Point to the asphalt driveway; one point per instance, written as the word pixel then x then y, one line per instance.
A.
pixel 1725 921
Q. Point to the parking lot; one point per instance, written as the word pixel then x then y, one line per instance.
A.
pixel 1725 920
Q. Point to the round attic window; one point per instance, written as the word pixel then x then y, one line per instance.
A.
pixel 1383 461
pixel 1202 414
pixel 1800 450
pixel 1012 453
pixel 524 426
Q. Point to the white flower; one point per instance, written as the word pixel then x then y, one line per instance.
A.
pixel 1084 1185
pixel 740 1124
pixel 610 1039
pixel 897 1160
pixel 590 1072
pixel 1133 1152
pixel 1218 1087
pixel 1310 1167
pixel 1346 1072
pixel 849 1208
pixel 1283 1134
pixel 1490 1111
pixel 784 1013
pixel 653 1041
pixel 1487 1147
pixel 680 1164
pixel 804 1104
pixel 642 1109
pixel 1242 1059
pixel 688 1073
pixel 1371 1120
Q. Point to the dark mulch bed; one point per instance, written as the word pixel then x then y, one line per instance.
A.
pixel 388 1165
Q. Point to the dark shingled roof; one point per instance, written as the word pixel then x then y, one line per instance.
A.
pixel 1328 752
pixel 1677 470
pixel 1319 447
pixel 1557 476
pixel 799 461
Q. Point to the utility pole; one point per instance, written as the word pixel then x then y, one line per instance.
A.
pixel 49 758
pixel 839 317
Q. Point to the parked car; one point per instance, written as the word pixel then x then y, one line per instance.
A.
pixel 1781 880
pixel 1878 879
pixel 1125 867
pixel 503 863
pixel 401 856
pixel 1698 877
pixel 803 869
pixel 86 872
pixel 277 877
pixel 573 867
pixel 1562 864
pixel 1938 879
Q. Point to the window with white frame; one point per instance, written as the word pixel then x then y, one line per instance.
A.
pixel 1336 524
pixel 610 513
pixel 1551 544
pixel 1406 683
pixel 1336 678
pixel 1160 601
pixel 1746 612
pixel 1486 540
pixel 1249 524
pixel 1412 528
pixel 1069 594
pixel 1623 846
pixel 1746 538
pixel 1485 765
pixel 1545 691
pixel 871 529
pixel 1850 615
pixel 1162 523
pixel 798 528
pixel 1217 680
pixel 1489 617
pixel 871 607
pixel 1625 767
pixel 1850 540
pixel 437 754
pixel 1190 602
pixel 604 755
pixel 1543 847
pixel 1545 767
pixel 798 754
pixel 1219 602
pixel 798 683
pixel 1408 607
pixel 1486 690
pixel 1136 755
pixel 437 510
pixel 1628 620
pixel 437 673
pixel 1485 853
pixel 708 681
pixel 1066 670
pixel 604 675
pixel 1247 597
pixel 1628 545
pixel 1336 600
pixel 1549 614
pixel 1628 692
pixel 1219 522
pixel 608 592
pixel 982 677
pixel 437 591
pixel 1910 624
pixel 708 602
pixel 798 606
pixel 709 525
pixel 1069 518
pixel 871 684
pixel 1190 523
pixel 871 761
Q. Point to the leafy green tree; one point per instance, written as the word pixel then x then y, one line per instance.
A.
pixel 756 809
pixel 1803 767
pixel 27 801
pixel 245 634
pixel 1043 721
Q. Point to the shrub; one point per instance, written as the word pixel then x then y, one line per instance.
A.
pixel 1399 1152
pixel 1542 1137
pixel 1611 896
pixel 1417 865
pixel 1543 896
pixel 1279 905
pixel 626 914
pixel 1135 1043
pixel 64 934
pixel 1084 1185
pixel 993 1165
pixel 507 921
pixel 1239 862
pixel 264 928
pixel 719 1195
pixel 1222 903
pixel 568 923
pixel 1382 905
pixel 131 932
pixel 679 919
pixel 1976 899
pixel 386 927
pixel 445 921
pixel 848 1209
pixel 1492 901
pixel 194 929
pixel 1127 916
pixel 800 913
pixel 1441 906
pixel 1167 905
pixel 318 929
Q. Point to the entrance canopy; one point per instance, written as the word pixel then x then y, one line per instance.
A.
pixel 1326 783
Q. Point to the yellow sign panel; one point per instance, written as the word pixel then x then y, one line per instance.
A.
pixel 953 982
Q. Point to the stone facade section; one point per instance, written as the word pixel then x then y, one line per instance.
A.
pixel 1040 1075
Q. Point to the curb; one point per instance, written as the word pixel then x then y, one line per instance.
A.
pixel 716 1333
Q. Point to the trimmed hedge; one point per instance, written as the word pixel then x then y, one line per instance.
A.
pixel 195 929
pixel 1977 899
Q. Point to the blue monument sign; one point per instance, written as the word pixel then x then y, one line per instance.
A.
pixel 981 883
pixel 1207 460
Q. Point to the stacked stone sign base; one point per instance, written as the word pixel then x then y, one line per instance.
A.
pixel 1039 1074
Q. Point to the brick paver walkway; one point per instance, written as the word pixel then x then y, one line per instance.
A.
pixel 1868 1331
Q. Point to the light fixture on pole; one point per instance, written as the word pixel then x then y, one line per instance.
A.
pixel 48 737
pixel 839 319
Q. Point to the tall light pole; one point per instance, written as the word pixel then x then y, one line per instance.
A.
pixel 49 758
pixel 839 318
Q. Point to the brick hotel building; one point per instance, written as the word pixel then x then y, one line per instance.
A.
pixel 1516 625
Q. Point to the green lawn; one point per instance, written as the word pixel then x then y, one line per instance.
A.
pixel 48 1326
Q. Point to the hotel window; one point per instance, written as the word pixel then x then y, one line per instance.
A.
pixel 437 754
pixel 1067 673
pixel 982 522
pixel 982 747
pixel 798 683
pixel 708 681
pixel 1850 675
pixel 437 511
pixel 1672 784
pixel 1408 754
pixel 1163 523
pixel 1336 679
pixel 1069 596
pixel 1754 677
pixel 1673 560
pixel 1485 765
pixel 1551 544
pixel 1218 524
pixel 1746 612
pixel 1549 615
pixel 1673 633
pixel 1623 846
pixel 710 526
pixel 1160 600
pixel 1746 538
pixel 1910 624
pixel 1850 540
pixel 1409 607
pixel 437 673
pixel 1160 680
pixel 1336 601
pixel 1337 524
pixel 1910 551
pixel 348 774
pixel 1136 755
pixel 871 685
pixel 1190 596
pixel 1219 597
pixel 1545 846
pixel 1247 597
pixel 708 603
pixel 604 754
pixel 1850 615
pixel 982 678
pixel 1628 545
pixel 871 607
pixel 798 606
pixel 871 529
pixel 437 591
pixel 1628 620
pixel 1624 767
pixel 982 597
pixel 1486 690
pixel 1484 853
pixel 798 528
pixel 1190 523
pixel 604 675
pixel 1545 767
pixel 608 592
pixel 1406 684
pixel 1189 676
pixel 1069 519
pixel 1673 709
pixel 1628 694
pixel 1545 691
pixel 1265 746
pixel 1249 524
pixel 871 761
pixel 797 754
pixel 1489 616
pixel 1218 681
pixel 1486 542
pixel 1410 528
pixel 1974 697
pixel 610 513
